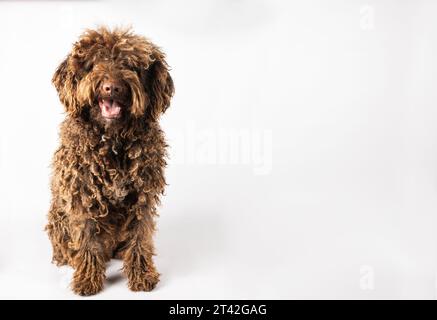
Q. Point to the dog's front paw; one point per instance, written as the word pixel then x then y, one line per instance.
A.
pixel 87 285
pixel 146 281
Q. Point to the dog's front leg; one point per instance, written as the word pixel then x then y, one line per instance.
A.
pixel 138 262
pixel 88 261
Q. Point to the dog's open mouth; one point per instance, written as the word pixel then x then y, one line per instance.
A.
pixel 110 108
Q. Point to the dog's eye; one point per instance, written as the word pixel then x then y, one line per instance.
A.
pixel 128 66
pixel 79 53
pixel 131 68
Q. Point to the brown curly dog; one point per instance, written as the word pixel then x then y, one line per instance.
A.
pixel 108 173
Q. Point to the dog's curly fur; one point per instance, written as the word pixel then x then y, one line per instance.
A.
pixel 108 174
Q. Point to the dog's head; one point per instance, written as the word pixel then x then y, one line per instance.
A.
pixel 114 75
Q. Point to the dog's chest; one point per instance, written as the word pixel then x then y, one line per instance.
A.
pixel 113 163
pixel 112 154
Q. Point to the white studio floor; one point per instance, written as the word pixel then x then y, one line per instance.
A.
pixel 243 249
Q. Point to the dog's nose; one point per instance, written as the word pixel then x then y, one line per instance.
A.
pixel 111 88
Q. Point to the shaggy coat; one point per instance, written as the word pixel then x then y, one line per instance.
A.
pixel 108 173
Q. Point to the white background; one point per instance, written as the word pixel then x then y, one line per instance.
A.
pixel 346 91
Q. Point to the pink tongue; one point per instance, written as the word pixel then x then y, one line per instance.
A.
pixel 109 108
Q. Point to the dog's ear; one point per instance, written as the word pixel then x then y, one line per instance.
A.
pixel 159 86
pixel 65 83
